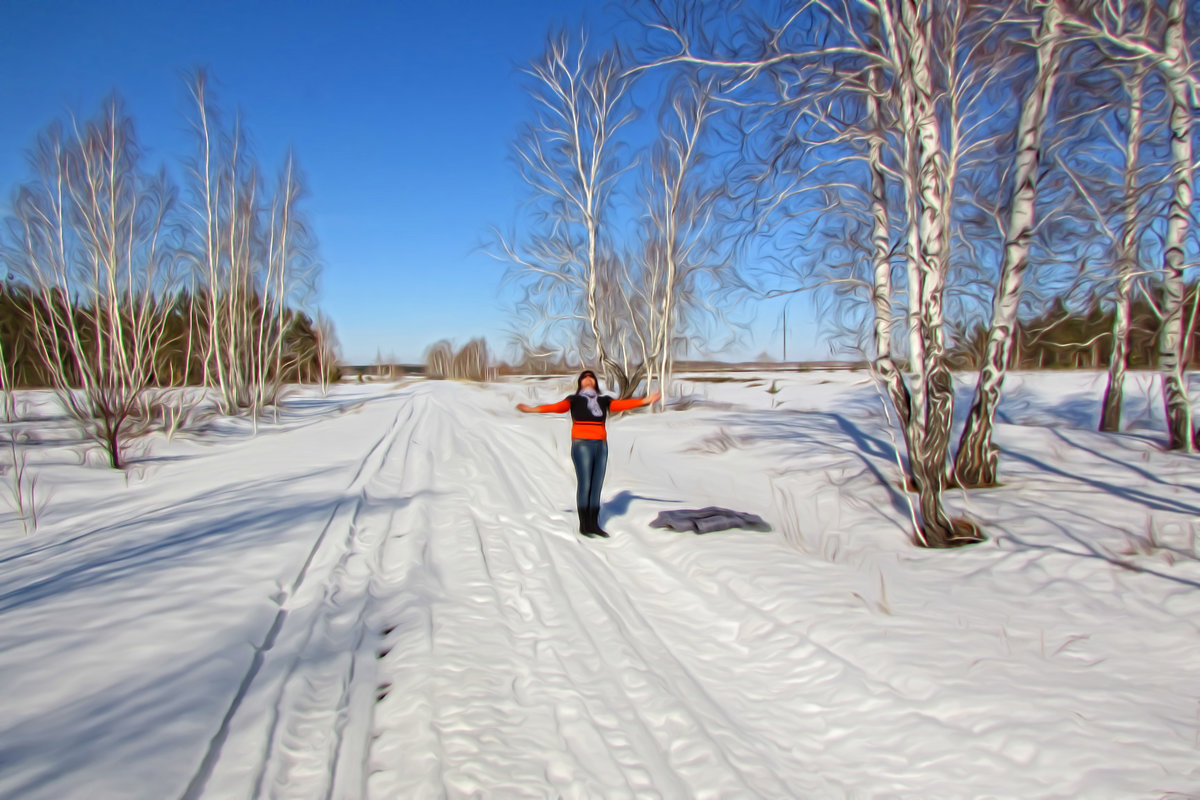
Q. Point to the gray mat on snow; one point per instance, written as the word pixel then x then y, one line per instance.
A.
pixel 707 520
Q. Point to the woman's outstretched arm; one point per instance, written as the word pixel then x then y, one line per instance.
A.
pixel 634 402
pixel 553 408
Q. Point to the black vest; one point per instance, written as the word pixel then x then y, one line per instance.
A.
pixel 580 411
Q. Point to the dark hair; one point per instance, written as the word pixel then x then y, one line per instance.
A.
pixel 584 374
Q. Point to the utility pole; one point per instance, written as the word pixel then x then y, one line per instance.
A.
pixel 785 333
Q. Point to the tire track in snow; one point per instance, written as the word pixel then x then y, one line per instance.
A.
pixel 324 607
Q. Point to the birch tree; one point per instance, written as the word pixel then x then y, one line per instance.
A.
pixel 569 157
pixel 682 230
pixel 8 398
pixel 254 258
pixel 326 355
pixel 929 251
pixel 287 281
pixel 903 51
pixel 882 292
pixel 1126 259
pixel 87 235
pixel 1105 23
pixel 223 216
pixel 1108 182
pixel 976 461
pixel 1171 343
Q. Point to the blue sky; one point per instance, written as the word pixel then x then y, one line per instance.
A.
pixel 401 113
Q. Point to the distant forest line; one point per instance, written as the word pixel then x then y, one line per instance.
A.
pixel 177 360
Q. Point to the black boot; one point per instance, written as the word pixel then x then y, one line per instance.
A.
pixel 585 522
pixel 594 523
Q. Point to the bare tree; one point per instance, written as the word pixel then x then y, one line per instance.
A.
pixel 287 282
pixel 223 211
pixel 681 249
pixel 439 360
pixel 901 48
pixel 882 293
pixel 1171 342
pixel 470 363
pixel 254 257
pixel 976 461
pixel 87 236
pixel 904 49
pixel 327 351
pixel 8 401
pixel 1126 259
pixel 1099 185
pixel 1106 23
pixel 929 251
pixel 569 158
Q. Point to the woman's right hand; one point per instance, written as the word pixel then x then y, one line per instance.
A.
pixel 526 408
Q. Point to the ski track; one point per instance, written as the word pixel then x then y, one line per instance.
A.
pixel 313 735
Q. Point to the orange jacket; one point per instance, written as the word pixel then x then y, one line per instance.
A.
pixel 584 424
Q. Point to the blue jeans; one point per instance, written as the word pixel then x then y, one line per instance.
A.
pixel 590 457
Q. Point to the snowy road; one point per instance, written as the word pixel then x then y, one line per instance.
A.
pixel 518 662
pixel 383 596
pixel 465 640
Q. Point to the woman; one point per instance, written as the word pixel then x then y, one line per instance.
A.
pixel 589 443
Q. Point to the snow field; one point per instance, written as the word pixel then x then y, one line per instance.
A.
pixel 383 595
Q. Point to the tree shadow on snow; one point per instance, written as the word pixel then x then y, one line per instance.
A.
pixel 1143 474
pixel 193 528
pixel 1090 550
pixel 134 721
pixel 1129 493
pixel 807 431
pixel 239 491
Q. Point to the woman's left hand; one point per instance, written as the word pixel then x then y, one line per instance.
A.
pixel 654 398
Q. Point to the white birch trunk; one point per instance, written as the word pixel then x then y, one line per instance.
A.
pixel 881 289
pixel 976 461
pixel 932 419
pixel 1110 417
pixel 898 50
pixel 1175 396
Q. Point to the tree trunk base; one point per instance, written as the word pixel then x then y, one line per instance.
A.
pixel 953 482
pixel 909 484
pixel 964 533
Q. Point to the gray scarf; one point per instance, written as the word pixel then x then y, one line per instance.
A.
pixel 593 401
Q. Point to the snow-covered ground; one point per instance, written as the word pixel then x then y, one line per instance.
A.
pixel 383 595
